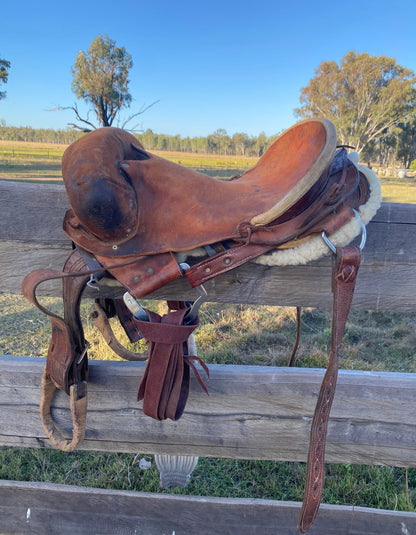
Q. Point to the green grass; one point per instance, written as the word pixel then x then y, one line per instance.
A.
pixel 398 192
pixel 378 487
pixel 238 335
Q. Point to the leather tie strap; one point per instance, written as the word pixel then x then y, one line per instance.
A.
pixel 164 387
pixel 344 275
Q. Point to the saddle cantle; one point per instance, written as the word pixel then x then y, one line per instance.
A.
pixel 137 217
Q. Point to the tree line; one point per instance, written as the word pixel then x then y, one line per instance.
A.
pixel 394 148
pixel 370 99
pixel 217 143
pixel 38 135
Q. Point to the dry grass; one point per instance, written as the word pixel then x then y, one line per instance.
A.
pixel 239 334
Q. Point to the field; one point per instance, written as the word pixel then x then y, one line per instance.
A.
pixel 28 161
pixel 35 161
pixel 228 334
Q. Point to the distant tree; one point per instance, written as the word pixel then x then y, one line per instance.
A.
pixel 219 142
pixel 383 149
pixel 4 74
pixel 363 96
pixel 101 78
pixel 406 142
pixel 241 141
pixel 261 143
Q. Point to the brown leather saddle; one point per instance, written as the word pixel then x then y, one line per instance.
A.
pixel 146 221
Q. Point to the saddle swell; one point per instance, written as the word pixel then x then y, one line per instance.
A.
pixel 134 215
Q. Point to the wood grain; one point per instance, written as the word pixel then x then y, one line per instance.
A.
pixel 31 236
pixel 37 508
pixel 253 412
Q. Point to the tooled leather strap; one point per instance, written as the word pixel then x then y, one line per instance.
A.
pixel 164 387
pixel 344 275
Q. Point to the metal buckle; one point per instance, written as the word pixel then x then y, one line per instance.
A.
pixel 191 316
pixel 363 235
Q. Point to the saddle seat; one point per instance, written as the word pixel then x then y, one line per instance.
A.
pixel 126 201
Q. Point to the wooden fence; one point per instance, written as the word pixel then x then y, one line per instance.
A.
pixel 253 412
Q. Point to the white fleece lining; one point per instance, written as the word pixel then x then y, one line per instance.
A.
pixel 316 248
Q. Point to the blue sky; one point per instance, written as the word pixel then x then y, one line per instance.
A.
pixel 236 65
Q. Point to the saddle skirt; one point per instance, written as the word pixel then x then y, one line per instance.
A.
pixel 137 216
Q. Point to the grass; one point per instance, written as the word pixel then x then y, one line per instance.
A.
pixel 228 334
pixel 42 161
pixel 234 334
pixel 378 487
pixel 38 161
pixel 398 192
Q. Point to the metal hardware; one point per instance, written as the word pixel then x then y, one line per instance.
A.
pixel 191 316
pixel 135 308
pixel 363 235
pixel 93 282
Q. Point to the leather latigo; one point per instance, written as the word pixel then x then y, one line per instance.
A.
pixel 133 212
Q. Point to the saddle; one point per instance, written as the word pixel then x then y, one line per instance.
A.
pixel 146 221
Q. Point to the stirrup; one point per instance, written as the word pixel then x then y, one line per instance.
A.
pixel 78 404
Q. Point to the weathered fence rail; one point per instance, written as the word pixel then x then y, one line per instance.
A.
pixel 31 236
pixel 252 412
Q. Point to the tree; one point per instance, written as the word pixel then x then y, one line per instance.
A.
pixel 241 141
pixel 4 74
pixel 261 144
pixel 363 96
pixel 101 79
pixel 219 142
pixel 406 141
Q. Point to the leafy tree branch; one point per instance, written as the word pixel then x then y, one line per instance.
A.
pixel 4 74
pixel 363 96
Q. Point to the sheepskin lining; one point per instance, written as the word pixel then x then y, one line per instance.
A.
pixel 316 248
